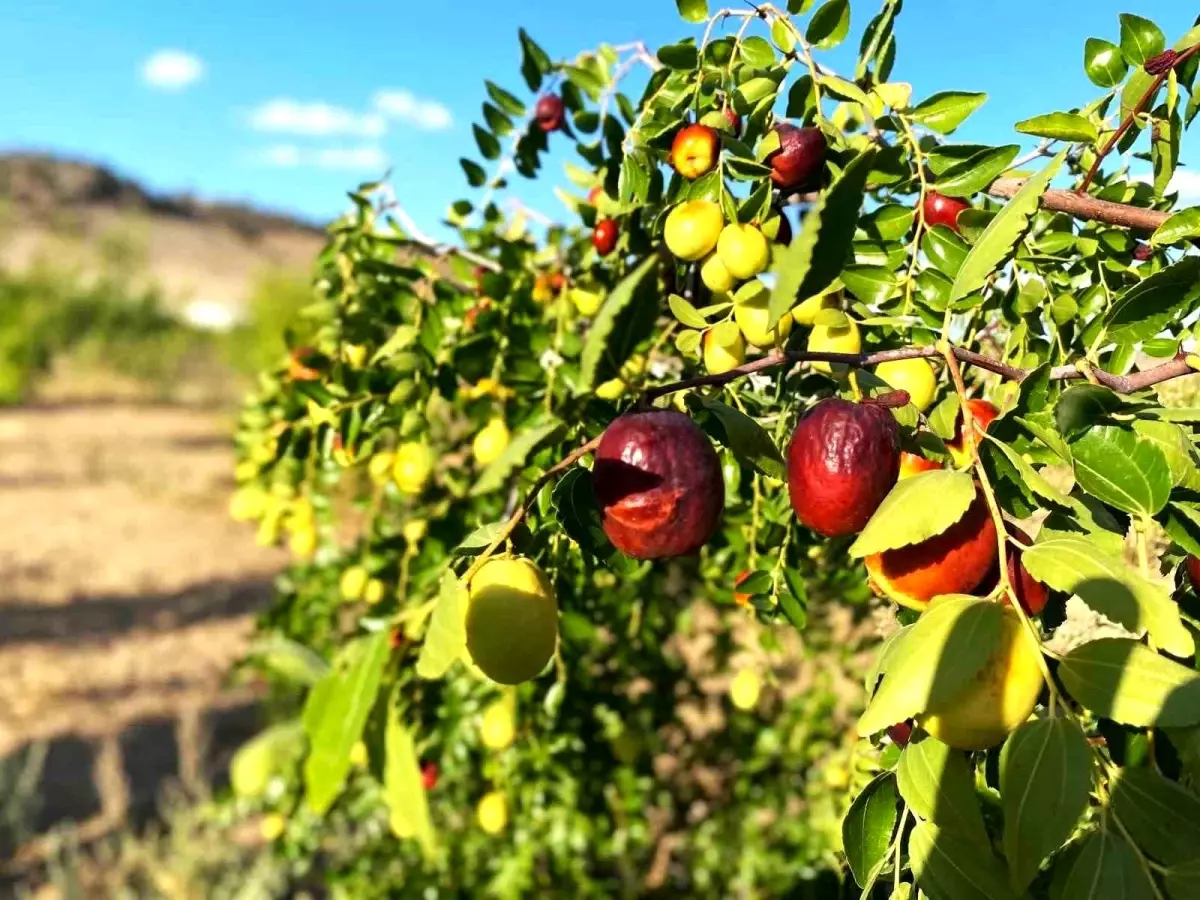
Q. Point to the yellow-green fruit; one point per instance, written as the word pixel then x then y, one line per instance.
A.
pixel 840 339
pixel 414 530
pixel 302 541
pixel 692 229
pixel 490 443
pixel 497 730
pixel 374 592
pixel 721 357
pixel 586 302
pixel 751 312
pixel 806 313
pixel 512 620
pixel 715 276
pixel 745 688
pixel 358 755
pixel 915 376
pixel 412 467
pixel 380 466
pixel 353 582
pixel 270 526
pixel 356 355
pixel 247 503
pixel 492 812
pixel 997 700
pixel 611 389
pixel 272 827
pixel 743 249
pixel 245 470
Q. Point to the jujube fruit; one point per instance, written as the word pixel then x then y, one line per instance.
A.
pixel 692 229
pixel 751 312
pixel 843 459
pixel 743 249
pixel 715 276
pixel 1031 593
pixel 939 209
pixel 983 413
pixel 954 562
pixel 694 151
pixel 512 620
pixel 491 442
pixel 1193 572
pixel 548 113
pixel 412 467
pixel 800 158
pixel 658 484
pixel 844 338
pixel 492 812
pixel 604 236
pixel 724 349
pixel 914 464
pixel 916 376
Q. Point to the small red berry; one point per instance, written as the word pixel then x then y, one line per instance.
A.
pixel 604 238
pixel 549 112
pixel 942 210
pixel 429 775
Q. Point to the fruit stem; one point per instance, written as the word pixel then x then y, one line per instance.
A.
pixel 915 246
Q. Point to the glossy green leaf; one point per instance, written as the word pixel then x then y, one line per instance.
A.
pixel 479 539
pixel 534 61
pixel 335 715
pixel 497 121
pixel 830 24
pixel 503 99
pixel 290 660
pixel 1081 407
pixel 403 785
pixel 1044 786
pixel 750 443
pixel 682 55
pixel 1155 302
pixel 1129 683
pixel 870 284
pixel 685 312
pixel 937 658
pixel 1140 39
pixel 945 111
pixel 758 52
pixel 1103 63
pixel 868 825
pixel 939 786
pixel 446 637
pixel 947 867
pixel 488 145
pixel 916 509
pixel 1060 126
pixel 994 245
pixel 1076 565
pixel 1114 465
pixel 1161 816
pixel 1176 448
pixel 694 11
pixel 515 456
pixel 976 172
pixel 633 182
pixel 476 176
pixel 1106 868
pixel 1181 226
pixel 638 286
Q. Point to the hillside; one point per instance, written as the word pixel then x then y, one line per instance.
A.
pixel 87 215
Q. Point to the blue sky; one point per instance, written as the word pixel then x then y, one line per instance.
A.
pixel 288 103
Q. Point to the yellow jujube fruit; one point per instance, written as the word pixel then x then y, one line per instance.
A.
pixel 380 466
pixel 587 302
pixel 414 530
pixel 358 755
pixel 692 229
pixel 492 812
pixel 272 827
pixel 751 313
pixel 744 250
pixel 356 355
pixel 512 620
pixel 412 467
pixel 353 582
pixel 497 729
pixel 248 502
pixel 839 339
pixel 490 443
pixel 806 312
pixel 715 276
pixel 724 349
pixel 997 700
pixel 745 688
pixel 611 389
pixel 374 592
pixel 916 376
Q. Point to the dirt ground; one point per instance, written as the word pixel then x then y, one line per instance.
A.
pixel 126 593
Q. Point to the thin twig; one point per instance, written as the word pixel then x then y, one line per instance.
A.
pixel 438 248
pixel 1083 206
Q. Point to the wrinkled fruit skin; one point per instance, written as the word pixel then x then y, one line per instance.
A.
pixel 512 620
pixel 1193 572
pixel 604 238
pixel 694 151
pixel 1031 593
pixel 997 700
pixel 800 158
pixel 549 112
pixel 984 413
pixel 658 484
pixel 954 562
pixel 843 459
pixel 942 210
pixel 911 464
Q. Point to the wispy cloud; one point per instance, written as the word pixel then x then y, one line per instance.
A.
pixel 1185 181
pixel 315 119
pixel 355 158
pixel 404 106
pixel 172 70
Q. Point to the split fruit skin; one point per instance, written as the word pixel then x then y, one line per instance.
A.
pixel 843 459
pixel 549 112
pixel 512 620
pixel 939 209
pixel 800 158
pixel 604 237
pixel 658 484
pixel 999 698
pixel 956 561
pixel 694 150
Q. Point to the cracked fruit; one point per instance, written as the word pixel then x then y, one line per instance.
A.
pixel 915 376
pixel 658 484
pixel 843 459
pixel 844 338
pixel 549 112
pixel 694 151
pixel 512 620
pixel 939 209
pixel 743 249
pixel 491 442
pixel 724 349
pixel 412 467
pixel 751 313
pixel 984 413
pixel 604 237
pixel 492 812
pixel 954 562
pixel 997 700
pixel 692 229
pixel 715 276
pixel 800 158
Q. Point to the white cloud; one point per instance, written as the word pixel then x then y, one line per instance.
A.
pixel 359 158
pixel 1185 181
pixel 404 106
pixel 315 119
pixel 172 70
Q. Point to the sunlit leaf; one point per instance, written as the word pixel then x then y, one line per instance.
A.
pixel 1129 683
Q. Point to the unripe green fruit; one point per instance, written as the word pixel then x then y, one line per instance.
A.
pixel 512 620
pixel 915 376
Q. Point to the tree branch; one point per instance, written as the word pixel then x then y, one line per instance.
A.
pixel 421 239
pixel 1083 206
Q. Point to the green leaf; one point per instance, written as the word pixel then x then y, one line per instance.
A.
pixel 336 713
pixel 915 510
pixel 1080 407
pixel 694 11
pixel 951 641
pixel 843 89
pixel 446 636
pixel 274 751
pixel 403 785
pixel 1129 683
pixel 1060 126
pixel 497 121
pixel 750 443
pixel 489 146
pixel 1183 881
pixel 633 183
pixel 1114 465
pixel 288 659
pixel 945 111
pixel 1044 786
pixel 682 55
pixel 685 312
pixel 758 52
pixel 1103 63
pixel 515 456
pixel 1105 868
pixel 792 264
pixel 534 61
pixel 479 539
pixel 868 826
pixel 1181 226
pixel 829 25
pixel 870 284
pixel 476 176
pixel 1162 817
pixel 947 867
pixel 977 171
pixel 1155 302
pixel 994 245
pixel 637 286
pixel 503 99
pixel 939 786
pixel 1140 39
pixel 403 337
pixel 1176 448
pixel 1076 565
